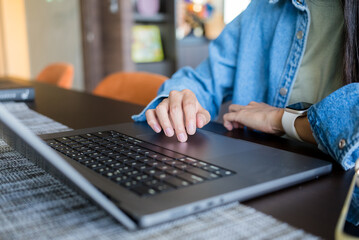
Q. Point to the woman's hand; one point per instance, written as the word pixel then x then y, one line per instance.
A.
pixel 259 116
pixel 178 114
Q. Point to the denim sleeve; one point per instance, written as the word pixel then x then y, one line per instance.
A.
pixel 212 80
pixel 335 125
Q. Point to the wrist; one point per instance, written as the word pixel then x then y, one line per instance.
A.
pixel 278 126
pixel 304 130
pixel 290 116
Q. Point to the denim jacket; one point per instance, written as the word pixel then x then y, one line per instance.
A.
pixel 256 58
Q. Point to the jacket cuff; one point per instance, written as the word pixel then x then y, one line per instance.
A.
pixel 334 125
pixel 141 117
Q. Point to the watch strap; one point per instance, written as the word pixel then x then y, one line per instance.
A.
pixel 288 121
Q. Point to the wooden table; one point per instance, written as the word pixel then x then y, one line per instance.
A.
pixel 313 206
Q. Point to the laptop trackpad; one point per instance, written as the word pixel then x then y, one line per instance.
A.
pixel 202 145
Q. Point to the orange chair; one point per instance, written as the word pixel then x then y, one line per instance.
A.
pixel 59 74
pixel 134 87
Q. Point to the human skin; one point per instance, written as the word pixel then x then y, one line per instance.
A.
pixel 265 118
pixel 181 113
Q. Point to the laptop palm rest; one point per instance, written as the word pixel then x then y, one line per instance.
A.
pixel 202 145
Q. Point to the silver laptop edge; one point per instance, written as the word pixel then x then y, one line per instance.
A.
pixel 19 137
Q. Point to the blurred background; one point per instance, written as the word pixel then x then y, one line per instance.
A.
pixel 100 37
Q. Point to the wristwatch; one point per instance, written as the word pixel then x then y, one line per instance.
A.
pixel 291 112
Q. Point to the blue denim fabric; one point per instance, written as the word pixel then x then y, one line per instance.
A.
pixel 256 58
pixel 334 120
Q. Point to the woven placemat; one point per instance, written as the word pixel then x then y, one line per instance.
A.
pixel 35 205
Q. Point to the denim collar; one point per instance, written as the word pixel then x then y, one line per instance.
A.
pixel 300 4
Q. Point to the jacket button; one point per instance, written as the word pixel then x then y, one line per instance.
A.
pixel 283 91
pixel 300 35
pixel 342 143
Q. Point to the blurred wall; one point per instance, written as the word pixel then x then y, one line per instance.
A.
pixel 2 60
pixel 14 56
pixel 54 35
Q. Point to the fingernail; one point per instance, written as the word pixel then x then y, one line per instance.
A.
pixel 200 122
pixel 182 137
pixel 228 126
pixel 156 128
pixel 191 129
pixel 169 132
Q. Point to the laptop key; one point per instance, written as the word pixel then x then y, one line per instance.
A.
pixel 130 183
pixel 128 154
pixel 152 172
pixel 153 163
pixel 88 162
pixel 180 165
pixel 210 168
pixel 145 160
pixel 171 162
pixel 162 187
pixel 117 157
pixel 123 169
pixel 190 178
pixel 164 159
pixel 102 170
pixel 102 134
pixel 88 136
pixel 133 164
pixel 201 173
pixel 152 182
pixel 137 156
pixel 173 171
pixel 176 182
pixel 51 142
pixel 82 159
pixel 114 165
pixel 132 173
pixel 159 186
pixel 107 161
pixel 144 152
pixel 161 175
pixel 163 167
pixel 109 174
pixel 119 179
pixel 141 178
pixel 155 155
pixel 96 165
pixel 223 172
pixel 125 160
pixel 188 160
pixel 111 154
pixel 63 140
pixel 143 167
pixel 143 190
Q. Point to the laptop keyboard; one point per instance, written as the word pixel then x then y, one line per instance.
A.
pixel 131 163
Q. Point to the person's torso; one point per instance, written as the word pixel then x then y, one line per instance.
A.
pixel 321 69
pixel 272 40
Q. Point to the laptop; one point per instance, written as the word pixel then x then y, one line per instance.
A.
pixel 13 91
pixel 142 178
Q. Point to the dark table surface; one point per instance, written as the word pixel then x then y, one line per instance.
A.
pixel 313 206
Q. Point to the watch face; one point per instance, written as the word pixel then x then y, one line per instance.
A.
pixel 300 106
